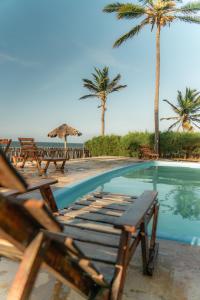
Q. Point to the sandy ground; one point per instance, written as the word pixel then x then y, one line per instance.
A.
pixel 178 267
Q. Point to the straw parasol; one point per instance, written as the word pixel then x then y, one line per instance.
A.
pixel 64 131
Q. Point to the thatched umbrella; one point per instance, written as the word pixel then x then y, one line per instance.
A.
pixel 64 131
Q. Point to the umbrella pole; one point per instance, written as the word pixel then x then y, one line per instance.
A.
pixel 65 143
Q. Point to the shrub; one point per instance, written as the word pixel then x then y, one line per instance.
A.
pixel 171 144
pixel 133 140
pixel 104 145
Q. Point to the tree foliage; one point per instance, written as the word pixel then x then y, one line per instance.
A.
pixel 187 110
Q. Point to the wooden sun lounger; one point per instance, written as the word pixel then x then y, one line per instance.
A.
pixel 146 152
pixel 88 247
pixel 5 144
pixel 30 152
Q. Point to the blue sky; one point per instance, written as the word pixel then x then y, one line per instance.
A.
pixel 48 46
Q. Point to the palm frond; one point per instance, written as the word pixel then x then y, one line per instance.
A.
pixel 175 109
pixel 196 125
pixel 169 118
pixel 88 96
pixel 130 11
pixel 135 30
pixel 118 88
pixel 174 125
pixel 195 119
pixel 188 19
pixel 196 115
pixel 114 82
pixel 189 8
pixel 113 7
pixel 91 88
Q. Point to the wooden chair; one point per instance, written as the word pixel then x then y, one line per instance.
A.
pixel 5 144
pixel 30 152
pixel 88 247
pixel 146 152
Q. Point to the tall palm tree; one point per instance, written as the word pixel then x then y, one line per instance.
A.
pixel 156 13
pixel 100 87
pixel 187 110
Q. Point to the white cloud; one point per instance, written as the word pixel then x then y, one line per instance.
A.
pixel 7 58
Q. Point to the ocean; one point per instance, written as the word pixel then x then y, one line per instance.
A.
pixel 51 144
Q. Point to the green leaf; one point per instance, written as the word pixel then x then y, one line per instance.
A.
pixel 130 11
pixel 134 31
pixel 189 19
pixel 114 7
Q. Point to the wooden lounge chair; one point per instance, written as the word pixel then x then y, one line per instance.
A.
pixel 146 152
pixel 30 152
pixel 5 144
pixel 87 248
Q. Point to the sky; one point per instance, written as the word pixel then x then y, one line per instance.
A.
pixel 48 46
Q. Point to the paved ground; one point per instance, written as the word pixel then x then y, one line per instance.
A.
pixel 178 268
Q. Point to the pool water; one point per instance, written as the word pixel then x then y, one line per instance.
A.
pixel 179 198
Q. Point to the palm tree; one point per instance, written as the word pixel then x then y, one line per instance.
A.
pixel 100 87
pixel 156 13
pixel 187 110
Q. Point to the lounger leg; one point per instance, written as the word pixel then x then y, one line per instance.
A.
pixel 153 252
pixel 23 161
pixel 121 266
pixel 28 269
pixel 144 246
pixel 154 227
pixel 38 164
pixel 48 196
pixel 63 165
pixel 44 170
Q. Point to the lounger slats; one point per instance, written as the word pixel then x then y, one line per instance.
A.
pixel 101 227
pixel 97 218
pixel 91 236
pixel 98 252
pixel 112 195
pixel 78 209
pixel 100 204
pixel 132 218
pixel 107 270
pixel 109 199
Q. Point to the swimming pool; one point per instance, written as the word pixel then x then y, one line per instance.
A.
pixel 178 186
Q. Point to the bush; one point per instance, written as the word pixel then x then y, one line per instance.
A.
pixel 172 144
pixel 104 145
pixel 179 143
pixel 133 140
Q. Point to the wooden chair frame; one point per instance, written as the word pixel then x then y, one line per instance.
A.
pixel 6 143
pixel 147 153
pixel 30 152
pixel 31 233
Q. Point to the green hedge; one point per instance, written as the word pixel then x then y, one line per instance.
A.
pixel 172 144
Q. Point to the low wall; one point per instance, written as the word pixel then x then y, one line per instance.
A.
pixel 70 153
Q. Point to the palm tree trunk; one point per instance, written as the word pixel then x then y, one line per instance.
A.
pixel 157 87
pixel 103 118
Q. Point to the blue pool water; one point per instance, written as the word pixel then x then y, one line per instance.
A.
pixel 178 189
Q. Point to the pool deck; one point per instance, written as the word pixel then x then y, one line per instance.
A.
pixel 177 272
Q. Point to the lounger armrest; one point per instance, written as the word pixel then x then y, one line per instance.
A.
pixel 132 218
pixel 31 187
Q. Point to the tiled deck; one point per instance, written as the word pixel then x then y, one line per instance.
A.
pixel 176 276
